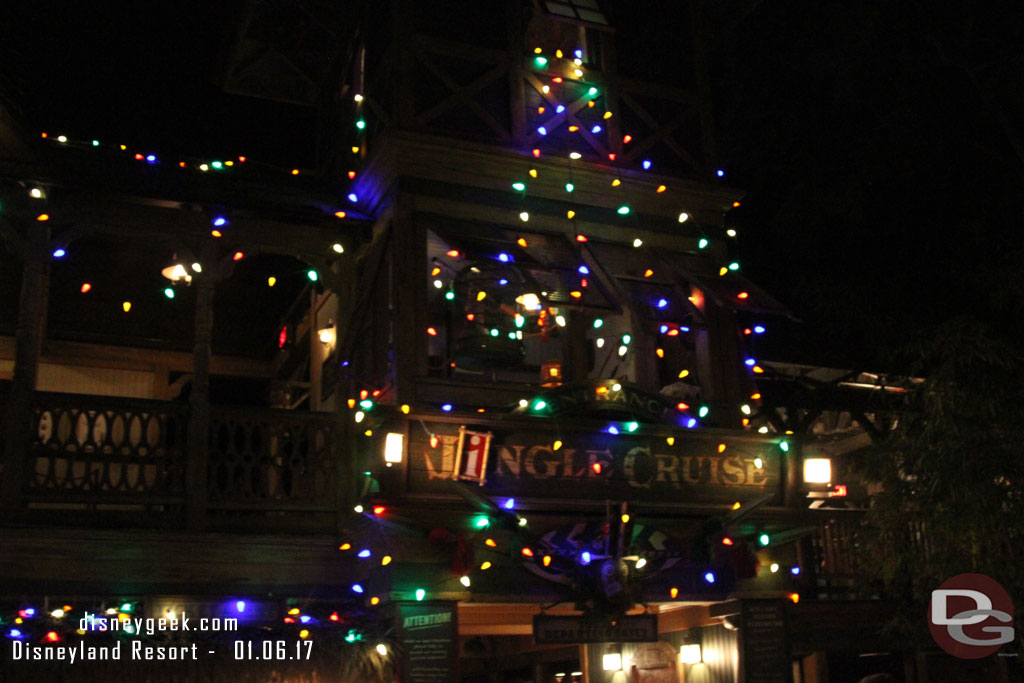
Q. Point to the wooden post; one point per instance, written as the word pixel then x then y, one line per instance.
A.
pixel 701 69
pixel 28 343
pixel 719 365
pixel 576 360
pixel 402 46
pixel 342 283
pixel 516 92
pixel 199 407
pixel 316 352
pixel 409 297
pixel 612 89
pixel 794 462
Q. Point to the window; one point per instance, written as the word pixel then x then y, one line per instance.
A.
pixel 579 10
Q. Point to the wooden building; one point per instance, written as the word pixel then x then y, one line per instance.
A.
pixel 514 426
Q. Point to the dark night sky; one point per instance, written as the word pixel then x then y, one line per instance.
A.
pixel 881 144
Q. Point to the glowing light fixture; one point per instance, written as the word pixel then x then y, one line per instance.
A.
pixel 394 447
pixel 817 470
pixel 690 654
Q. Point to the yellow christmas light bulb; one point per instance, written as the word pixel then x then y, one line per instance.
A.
pixel 616 182
pixel 558 53
pixel 406 408
pixel 571 214
pixel 481 295
pixel 375 600
pixel 271 281
pixel 671 440
pixel 533 173
pixel 683 373
pixel 127 306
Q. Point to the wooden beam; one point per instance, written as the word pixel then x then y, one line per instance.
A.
pixel 659 132
pixel 672 618
pixel 464 94
pixel 57 352
pixel 470 53
pixel 113 562
pixel 462 163
pixel 502 619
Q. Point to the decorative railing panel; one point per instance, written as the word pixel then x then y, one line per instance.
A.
pixel 107 448
pixel 835 556
pixel 265 459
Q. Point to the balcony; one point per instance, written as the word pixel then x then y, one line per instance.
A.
pixel 110 464
pixel 107 461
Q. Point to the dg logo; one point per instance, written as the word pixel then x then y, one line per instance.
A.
pixel 970 616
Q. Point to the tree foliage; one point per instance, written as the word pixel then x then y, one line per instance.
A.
pixel 952 471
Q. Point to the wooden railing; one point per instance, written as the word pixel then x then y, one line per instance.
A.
pixel 271 459
pixel 106 450
pixel 92 456
pixel 835 564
